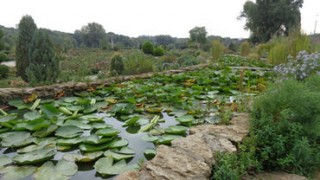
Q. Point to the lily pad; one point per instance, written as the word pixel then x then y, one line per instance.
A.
pixel 185 119
pixel 107 132
pixel 19 104
pixel 36 156
pixel 90 147
pixel 62 171
pixel 94 139
pixel 149 153
pixel 68 131
pixel 50 111
pixel 118 143
pixel 117 156
pixel 16 139
pixel 45 131
pixel 69 141
pixel 4 160
pixel 106 167
pixel 32 115
pixel 181 130
pixel 124 150
pixel 86 157
pixel 102 125
pixel 132 121
pixel 77 123
pixel 16 172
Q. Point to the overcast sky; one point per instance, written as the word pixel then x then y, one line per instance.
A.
pixel 143 17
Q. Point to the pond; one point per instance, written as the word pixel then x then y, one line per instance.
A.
pixel 103 131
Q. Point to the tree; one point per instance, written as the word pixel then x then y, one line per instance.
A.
pixel 26 28
pixel 44 66
pixel 217 50
pixel 198 35
pixel 266 18
pixel 147 48
pixel 91 35
pixel 3 56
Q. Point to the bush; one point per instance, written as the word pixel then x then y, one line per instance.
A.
pixel 147 48
pixel 278 54
pixel 117 65
pixel 138 63
pixel 4 71
pixel 286 125
pixel 158 51
pixel 3 57
pixel 244 48
pixel 217 50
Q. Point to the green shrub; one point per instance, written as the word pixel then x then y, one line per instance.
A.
pixel 4 71
pixel 3 57
pixel 137 63
pixel 117 65
pixel 245 48
pixel 278 54
pixel 217 50
pixel 147 48
pixel 158 51
pixel 286 125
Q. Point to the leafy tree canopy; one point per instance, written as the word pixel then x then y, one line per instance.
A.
pixel 267 18
pixel 198 35
pixel 90 35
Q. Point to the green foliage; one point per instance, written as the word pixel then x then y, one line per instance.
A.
pixel 217 50
pixel 3 57
pixel 4 71
pixel 158 51
pixel 245 48
pixel 268 18
pixel 44 65
pixel 285 123
pixel 117 65
pixel 281 48
pixel 137 63
pixel 27 27
pixel 147 48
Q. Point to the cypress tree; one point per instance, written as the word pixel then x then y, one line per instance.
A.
pixel 44 65
pixel 27 27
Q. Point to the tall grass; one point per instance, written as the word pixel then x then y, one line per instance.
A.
pixel 137 63
pixel 217 50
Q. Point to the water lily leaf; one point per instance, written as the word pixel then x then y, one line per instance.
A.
pixel 118 143
pixel 68 131
pixel 34 147
pixel 86 157
pixel 90 109
pixel 106 167
pixel 178 113
pixel 92 118
pixel 32 115
pixel 154 110
pixel 45 131
pixel 66 168
pixel 16 139
pixel 107 132
pixel 90 147
pixel 98 125
pixel 117 156
pixel 47 171
pixel 132 121
pixel 166 139
pixel 36 156
pixel 69 141
pixel 77 123
pixel 4 129
pixel 149 153
pixel 94 139
pixel 150 138
pixel 6 121
pixel 16 172
pixel 37 124
pixel 4 160
pixel 19 104
pixel 124 150
pixel 63 170
pixel 50 111
pixel 186 119
pixel 181 130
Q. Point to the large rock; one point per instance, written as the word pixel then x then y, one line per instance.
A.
pixel 176 163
